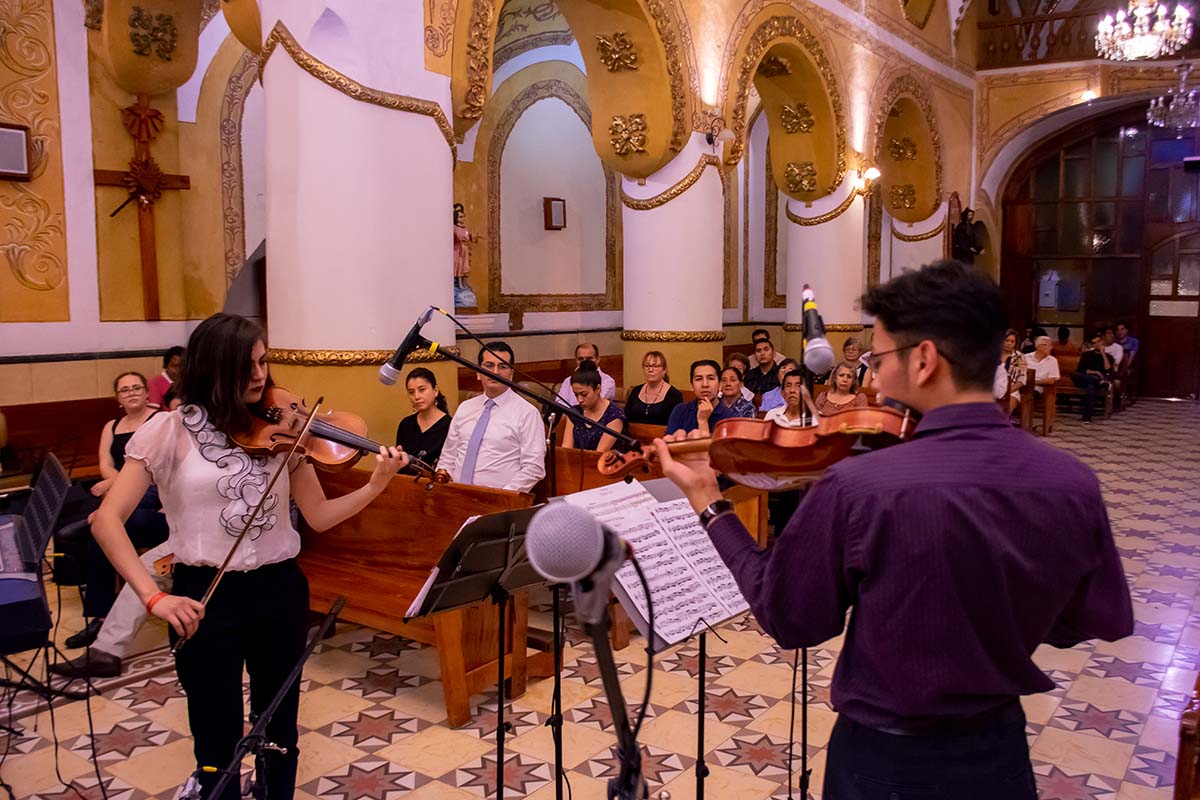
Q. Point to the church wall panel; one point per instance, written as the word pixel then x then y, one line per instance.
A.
pixel 80 379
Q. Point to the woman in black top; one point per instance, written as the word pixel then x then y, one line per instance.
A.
pixel 650 403
pixel 423 433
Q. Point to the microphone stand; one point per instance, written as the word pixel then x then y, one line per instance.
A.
pixel 629 783
pixel 555 720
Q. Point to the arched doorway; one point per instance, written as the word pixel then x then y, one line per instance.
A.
pixel 1098 225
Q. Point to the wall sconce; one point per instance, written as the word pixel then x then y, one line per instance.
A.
pixel 866 180
pixel 717 132
pixel 1088 95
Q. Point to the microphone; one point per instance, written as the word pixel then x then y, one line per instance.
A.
pixel 566 544
pixel 818 355
pixel 390 371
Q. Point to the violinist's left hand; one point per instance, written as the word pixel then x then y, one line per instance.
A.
pixel 389 461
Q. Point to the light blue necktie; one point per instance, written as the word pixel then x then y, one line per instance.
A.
pixel 468 467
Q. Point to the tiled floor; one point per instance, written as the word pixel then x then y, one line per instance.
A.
pixel 373 724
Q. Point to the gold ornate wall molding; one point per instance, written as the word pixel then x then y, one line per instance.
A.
pixel 821 219
pixel 919 237
pixel 874 238
pixel 33 278
pixel 901 87
pixel 280 36
pixel 527 43
pixel 771 296
pixel 850 327
pixel 672 336
pixel 349 358
pixel 770 32
pixel 233 107
pixel 498 300
pixel 666 196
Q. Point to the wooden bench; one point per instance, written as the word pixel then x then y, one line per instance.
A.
pixel 70 429
pixel 1067 388
pixel 379 560
pixel 1187 770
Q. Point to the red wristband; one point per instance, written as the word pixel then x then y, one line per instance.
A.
pixel 150 603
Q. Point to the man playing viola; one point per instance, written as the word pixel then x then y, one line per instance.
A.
pixel 955 578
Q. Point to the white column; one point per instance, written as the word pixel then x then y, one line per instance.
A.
pixel 674 263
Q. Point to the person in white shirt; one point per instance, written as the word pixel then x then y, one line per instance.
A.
pixel 792 414
pixel 496 439
pixel 1112 347
pixel 209 487
pixel 608 386
pixel 1044 365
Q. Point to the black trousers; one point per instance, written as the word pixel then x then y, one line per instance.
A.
pixel 989 763
pixel 258 619
pixel 1092 386
pixel 147 527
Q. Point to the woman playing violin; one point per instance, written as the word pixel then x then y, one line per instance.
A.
pixel 258 618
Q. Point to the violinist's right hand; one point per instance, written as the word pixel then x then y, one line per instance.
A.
pixel 691 472
pixel 183 614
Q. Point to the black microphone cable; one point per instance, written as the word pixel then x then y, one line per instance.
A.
pixel 516 370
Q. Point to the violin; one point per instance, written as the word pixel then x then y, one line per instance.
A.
pixel 762 454
pixel 335 441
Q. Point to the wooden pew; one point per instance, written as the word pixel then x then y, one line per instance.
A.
pixel 1067 388
pixel 68 428
pixel 1046 402
pixel 1187 770
pixel 379 559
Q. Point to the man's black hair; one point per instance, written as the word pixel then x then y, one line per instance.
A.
pixel 960 310
pixel 497 347
pixel 704 362
pixel 172 352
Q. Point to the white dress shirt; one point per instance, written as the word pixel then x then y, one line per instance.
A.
pixel 778 416
pixel 1117 352
pixel 208 487
pixel 512 454
pixel 608 389
pixel 1046 369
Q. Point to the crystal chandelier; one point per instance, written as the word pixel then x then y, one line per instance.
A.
pixel 1179 108
pixel 1146 31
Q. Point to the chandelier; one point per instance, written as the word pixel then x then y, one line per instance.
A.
pixel 1146 31
pixel 1179 108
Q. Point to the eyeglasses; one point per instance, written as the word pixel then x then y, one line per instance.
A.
pixel 492 366
pixel 128 390
pixel 652 365
pixel 875 359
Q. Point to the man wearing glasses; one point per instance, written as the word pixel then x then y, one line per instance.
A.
pixel 496 439
pixel 954 575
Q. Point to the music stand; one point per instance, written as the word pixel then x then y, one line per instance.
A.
pixel 485 561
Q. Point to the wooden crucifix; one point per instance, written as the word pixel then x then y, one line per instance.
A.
pixel 145 181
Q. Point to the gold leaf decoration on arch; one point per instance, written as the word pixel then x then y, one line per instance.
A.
pixel 902 166
pixel 233 211
pixel 801 177
pixel 776 30
pixel 797 119
pixel 627 134
pixel 617 52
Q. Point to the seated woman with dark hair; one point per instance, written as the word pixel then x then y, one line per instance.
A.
pixel 843 392
pixel 731 393
pixel 586 385
pixel 423 433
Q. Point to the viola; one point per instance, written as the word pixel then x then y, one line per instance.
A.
pixel 335 440
pixel 764 455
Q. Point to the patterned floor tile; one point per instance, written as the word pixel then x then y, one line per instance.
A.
pixel 1151 767
pixel 365 780
pixel 523 775
pixel 659 766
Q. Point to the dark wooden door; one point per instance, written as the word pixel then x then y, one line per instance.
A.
pixel 1165 370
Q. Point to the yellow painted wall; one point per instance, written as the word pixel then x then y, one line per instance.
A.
pixel 48 382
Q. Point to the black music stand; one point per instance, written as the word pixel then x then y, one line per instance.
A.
pixel 486 560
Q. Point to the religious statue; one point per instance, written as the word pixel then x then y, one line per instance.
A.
pixel 967 242
pixel 463 238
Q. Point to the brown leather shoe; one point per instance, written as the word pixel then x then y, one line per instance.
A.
pixel 92 664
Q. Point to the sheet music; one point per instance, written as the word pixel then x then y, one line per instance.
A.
pixel 662 540
pixel 683 526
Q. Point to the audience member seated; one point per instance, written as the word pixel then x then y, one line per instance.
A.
pixel 159 384
pixel 1044 365
pixel 774 398
pixel 742 364
pixel 731 393
pixel 793 412
pixel 707 409
pixel 147 526
pixel 587 352
pixel 586 385
pixel 762 377
pixel 843 392
pixel 651 402
pixel 496 439
pixel 171 400
pixel 1129 345
pixel 423 433
pixel 1027 345
pixel 1091 375
pixel 1115 350
pixel 1064 346
pixel 1012 364
pixel 1030 345
pixel 760 334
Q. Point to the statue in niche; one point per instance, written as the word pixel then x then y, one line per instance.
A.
pixel 968 238
pixel 464 295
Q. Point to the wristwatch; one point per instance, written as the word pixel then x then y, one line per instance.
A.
pixel 715 509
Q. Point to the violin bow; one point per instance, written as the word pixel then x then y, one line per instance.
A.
pixel 212 587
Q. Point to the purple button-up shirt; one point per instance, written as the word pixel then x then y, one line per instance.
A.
pixel 960 552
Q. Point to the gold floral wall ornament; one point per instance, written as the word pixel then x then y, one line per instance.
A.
pixel 800 177
pixel 669 36
pixel 93 14
pixel 149 31
pixel 628 134
pixel 479 59
pixel 774 67
pixel 903 197
pixel 902 149
pixel 616 52
pixel 797 119
pixel 672 336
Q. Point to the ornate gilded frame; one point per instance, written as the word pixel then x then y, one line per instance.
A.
pixel 233 210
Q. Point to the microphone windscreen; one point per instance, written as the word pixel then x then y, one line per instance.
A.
pixel 388 374
pixel 565 543
pixel 818 356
